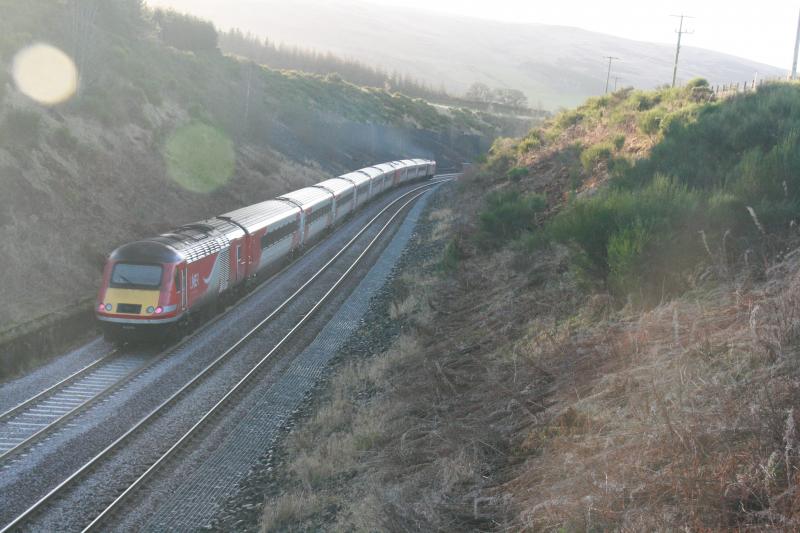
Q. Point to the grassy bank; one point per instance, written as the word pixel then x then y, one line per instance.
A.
pixel 623 358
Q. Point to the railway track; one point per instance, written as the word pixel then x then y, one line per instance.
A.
pixel 43 414
pixel 404 200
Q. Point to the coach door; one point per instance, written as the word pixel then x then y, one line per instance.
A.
pixel 240 270
pixel 182 285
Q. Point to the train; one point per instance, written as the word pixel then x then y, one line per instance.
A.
pixel 152 288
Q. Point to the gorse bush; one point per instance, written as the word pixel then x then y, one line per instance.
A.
pixel 724 159
pixel 729 169
pixel 595 154
pixel 611 216
pixel 531 142
pixel 648 110
pixel 502 156
pixel 507 215
pixel 517 173
pixel 650 121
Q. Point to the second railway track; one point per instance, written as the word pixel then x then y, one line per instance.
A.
pixel 24 424
pixel 119 443
pixel 43 414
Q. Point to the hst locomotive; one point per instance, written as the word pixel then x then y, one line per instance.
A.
pixel 155 285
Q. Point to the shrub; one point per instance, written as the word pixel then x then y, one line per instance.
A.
pixel 697 82
pixel 507 214
pixel 531 142
pixel 517 173
pixel 643 101
pixel 618 142
pixel 567 119
pixel 594 154
pixel 625 251
pixel 593 223
pixel 502 155
pixel 650 122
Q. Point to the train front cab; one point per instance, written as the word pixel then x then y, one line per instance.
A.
pixel 143 292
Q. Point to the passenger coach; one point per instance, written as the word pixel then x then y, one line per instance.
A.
pixel 157 284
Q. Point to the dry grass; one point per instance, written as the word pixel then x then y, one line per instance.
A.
pixel 290 509
pixel 675 417
pixel 419 431
pixel 517 401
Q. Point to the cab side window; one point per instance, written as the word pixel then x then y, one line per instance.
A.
pixel 177 281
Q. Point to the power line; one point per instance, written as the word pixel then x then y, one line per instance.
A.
pixel 608 76
pixel 680 31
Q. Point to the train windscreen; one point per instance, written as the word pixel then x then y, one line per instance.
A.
pixel 133 275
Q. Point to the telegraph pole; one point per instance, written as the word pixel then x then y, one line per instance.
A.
pixel 608 76
pixel 680 33
pixel 796 46
pixel 616 80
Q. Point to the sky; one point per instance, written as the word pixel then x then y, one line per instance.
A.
pixel 759 30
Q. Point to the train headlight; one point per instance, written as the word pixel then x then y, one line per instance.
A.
pixel 159 310
pixel 109 307
pixel 150 310
pixel 101 307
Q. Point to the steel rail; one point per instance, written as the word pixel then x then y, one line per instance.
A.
pixel 211 366
pixel 110 508
pixel 74 378
pixel 64 382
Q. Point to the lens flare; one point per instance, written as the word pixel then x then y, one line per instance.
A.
pixel 199 157
pixel 45 74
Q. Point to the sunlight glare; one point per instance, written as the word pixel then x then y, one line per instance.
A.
pixel 199 157
pixel 45 74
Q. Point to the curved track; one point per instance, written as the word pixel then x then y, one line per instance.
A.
pixel 41 415
pixel 119 443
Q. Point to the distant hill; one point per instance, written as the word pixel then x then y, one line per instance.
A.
pixel 553 65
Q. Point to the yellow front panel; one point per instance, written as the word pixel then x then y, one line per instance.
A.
pixel 145 298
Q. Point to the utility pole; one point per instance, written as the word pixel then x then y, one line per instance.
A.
pixel 616 79
pixel 608 76
pixel 680 33
pixel 796 45
pixel 247 96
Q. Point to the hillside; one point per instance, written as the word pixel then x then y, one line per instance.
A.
pixel 165 130
pixel 608 341
pixel 555 66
